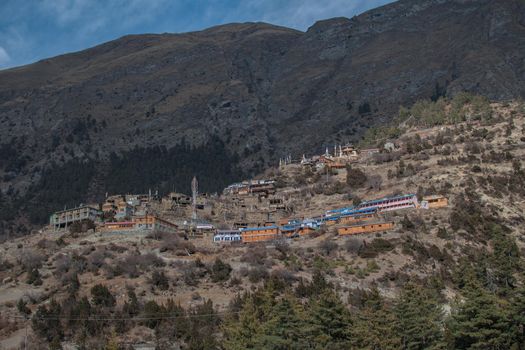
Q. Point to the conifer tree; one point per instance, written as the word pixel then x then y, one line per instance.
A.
pixel 243 333
pixel 329 322
pixel 505 259
pixel 202 328
pixel 419 318
pixel 285 330
pixel 46 322
pixel 112 343
pixel 517 314
pixel 132 306
pixel 478 322
pixel 264 300
pixel 179 323
pixel 374 326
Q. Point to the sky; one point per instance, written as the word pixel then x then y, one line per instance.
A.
pixel 31 30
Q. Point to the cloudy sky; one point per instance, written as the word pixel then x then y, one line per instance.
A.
pixel 34 29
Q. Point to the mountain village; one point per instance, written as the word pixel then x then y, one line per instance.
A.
pixel 255 210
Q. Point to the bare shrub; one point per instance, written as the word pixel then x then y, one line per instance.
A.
pixel 355 178
pixel 473 148
pixel 244 271
pixel 374 182
pixel 159 280
pixel 95 260
pixel 132 265
pixel 376 247
pixel 421 156
pixel 46 244
pixel 334 188
pixel 284 275
pixel 177 245
pixel 283 248
pixel 353 245
pixel 255 255
pixel 257 274
pixel 379 158
pixel 62 264
pixel 327 246
pixel 5 265
pixel 30 259
pixel 192 274
pixel 7 326
pixel 117 248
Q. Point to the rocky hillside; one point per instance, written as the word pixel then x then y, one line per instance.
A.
pixel 149 111
pixel 443 278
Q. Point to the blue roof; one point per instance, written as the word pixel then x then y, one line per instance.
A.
pixel 331 218
pixel 227 232
pixel 258 228
pixel 339 210
pixel 290 227
pixel 360 211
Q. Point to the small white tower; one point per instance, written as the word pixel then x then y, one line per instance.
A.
pixel 194 190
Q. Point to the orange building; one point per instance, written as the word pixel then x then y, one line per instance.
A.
pixel 365 228
pixel 154 223
pixel 355 218
pixel 330 222
pixel 336 165
pixel 148 222
pixel 435 201
pixel 259 234
pixel 306 231
pixel 120 225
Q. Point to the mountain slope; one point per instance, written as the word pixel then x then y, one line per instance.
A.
pixel 244 93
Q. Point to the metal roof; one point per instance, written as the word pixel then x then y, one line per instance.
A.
pixel 387 199
pixel 260 228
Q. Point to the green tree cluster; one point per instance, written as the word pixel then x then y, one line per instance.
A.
pixel 431 112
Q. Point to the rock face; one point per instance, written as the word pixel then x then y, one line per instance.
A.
pixel 258 90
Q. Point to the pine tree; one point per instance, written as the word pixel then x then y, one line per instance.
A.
pixel 180 322
pixel 203 328
pixel 132 306
pixel 46 322
pixel 479 322
pixel 285 330
pixel 505 259
pixel 55 344
pixel 374 326
pixel 102 296
pixel 329 322
pixel 112 343
pixel 241 334
pixel 419 318
pixel 517 314
pixel 152 311
pixel 74 284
